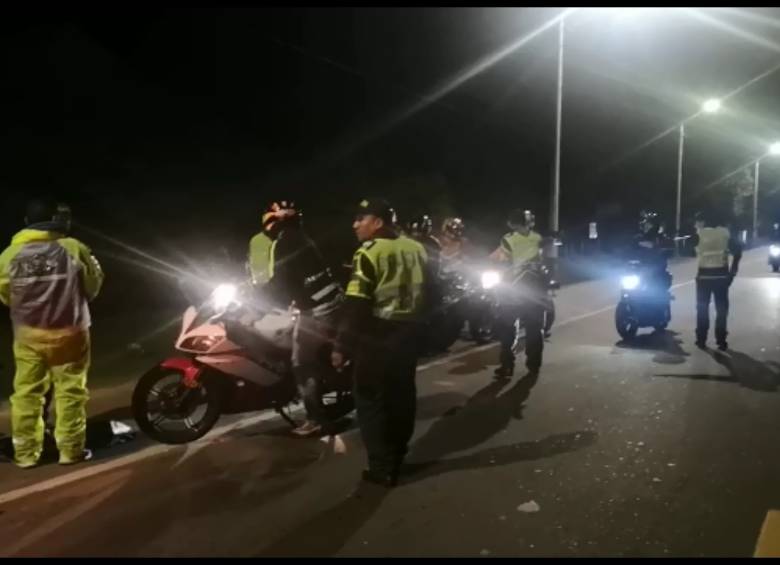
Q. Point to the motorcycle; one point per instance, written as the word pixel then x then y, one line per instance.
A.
pixel 491 281
pixel 447 322
pixel 644 302
pixel 238 359
pixel 774 257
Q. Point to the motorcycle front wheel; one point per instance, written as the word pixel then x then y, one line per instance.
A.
pixel 627 326
pixel 171 412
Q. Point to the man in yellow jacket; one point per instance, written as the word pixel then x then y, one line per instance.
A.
pixel 47 279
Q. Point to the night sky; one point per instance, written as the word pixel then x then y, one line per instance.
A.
pixel 171 129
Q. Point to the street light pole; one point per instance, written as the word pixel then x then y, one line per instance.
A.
pixel 755 201
pixel 678 212
pixel 556 196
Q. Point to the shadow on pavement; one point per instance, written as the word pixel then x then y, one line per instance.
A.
pixel 666 344
pixel 438 405
pixel 485 414
pixel 749 372
pixel 743 370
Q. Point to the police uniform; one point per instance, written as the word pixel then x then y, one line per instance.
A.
pixel 260 258
pixel 713 245
pixel 385 303
pixel 47 280
pixel 524 298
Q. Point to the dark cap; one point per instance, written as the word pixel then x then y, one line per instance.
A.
pixel 376 207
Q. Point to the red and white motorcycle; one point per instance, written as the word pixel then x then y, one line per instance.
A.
pixel 238 360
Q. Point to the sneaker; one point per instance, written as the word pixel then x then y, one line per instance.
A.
pixel 701 344
pixel 85 455
pixel 308 429
pixel 723 346
pixel 503 372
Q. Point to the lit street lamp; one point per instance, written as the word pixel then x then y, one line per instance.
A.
pixel 709 107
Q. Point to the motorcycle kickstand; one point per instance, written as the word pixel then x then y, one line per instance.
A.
pixel 286 417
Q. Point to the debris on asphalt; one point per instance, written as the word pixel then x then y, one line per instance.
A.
pixel 656 480
pixel 485 552
pixel 529 507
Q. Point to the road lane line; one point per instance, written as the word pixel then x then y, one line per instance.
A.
pixel 768 544
pixel 150 451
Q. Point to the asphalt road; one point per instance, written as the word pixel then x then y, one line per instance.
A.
pixel 654 449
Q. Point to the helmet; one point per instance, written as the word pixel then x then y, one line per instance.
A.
pixel 453 227
pixel 519 218
pixel 421 225
pixel 281 211
pixel 649 221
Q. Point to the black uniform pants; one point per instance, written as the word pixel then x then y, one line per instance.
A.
pixel 385 392
pixel 531 316
pixel 705 290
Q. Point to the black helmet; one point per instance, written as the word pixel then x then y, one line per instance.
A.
pixel 519 218
pixel 649 221
pixel 421 225
pixel 453 227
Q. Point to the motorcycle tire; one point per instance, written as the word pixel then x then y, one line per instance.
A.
pixel 668 317
pixel 775 268
pixel 626 326
pixel 209 393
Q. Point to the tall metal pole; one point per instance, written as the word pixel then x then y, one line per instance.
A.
pixel 755 202
pixel 556 196
pixel 678 213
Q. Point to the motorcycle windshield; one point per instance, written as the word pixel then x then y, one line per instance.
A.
pixel 205 311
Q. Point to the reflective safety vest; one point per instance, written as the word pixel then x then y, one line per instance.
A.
pixel 713 248
pixel 47 280
pixel 390 273
pixel 521 248
pixel 260 258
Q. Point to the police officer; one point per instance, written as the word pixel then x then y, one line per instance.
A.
pixel 523 294
pixel 714 243
pixel 259 256
pixel 386 301
pixel 47 280
pixel 299 277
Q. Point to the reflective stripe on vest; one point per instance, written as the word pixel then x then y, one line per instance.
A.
pixel 713 248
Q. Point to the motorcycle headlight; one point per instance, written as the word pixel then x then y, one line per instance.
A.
pixel 223 296
pixel 630 282
pixel 774 250
pixel 490 279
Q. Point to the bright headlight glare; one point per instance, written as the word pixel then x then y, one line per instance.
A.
pixel 490 279
pixel 223 296
pixel 630 282
pixel 774 251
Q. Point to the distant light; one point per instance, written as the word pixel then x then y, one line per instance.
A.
pixel 774 149
pixel 711 106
